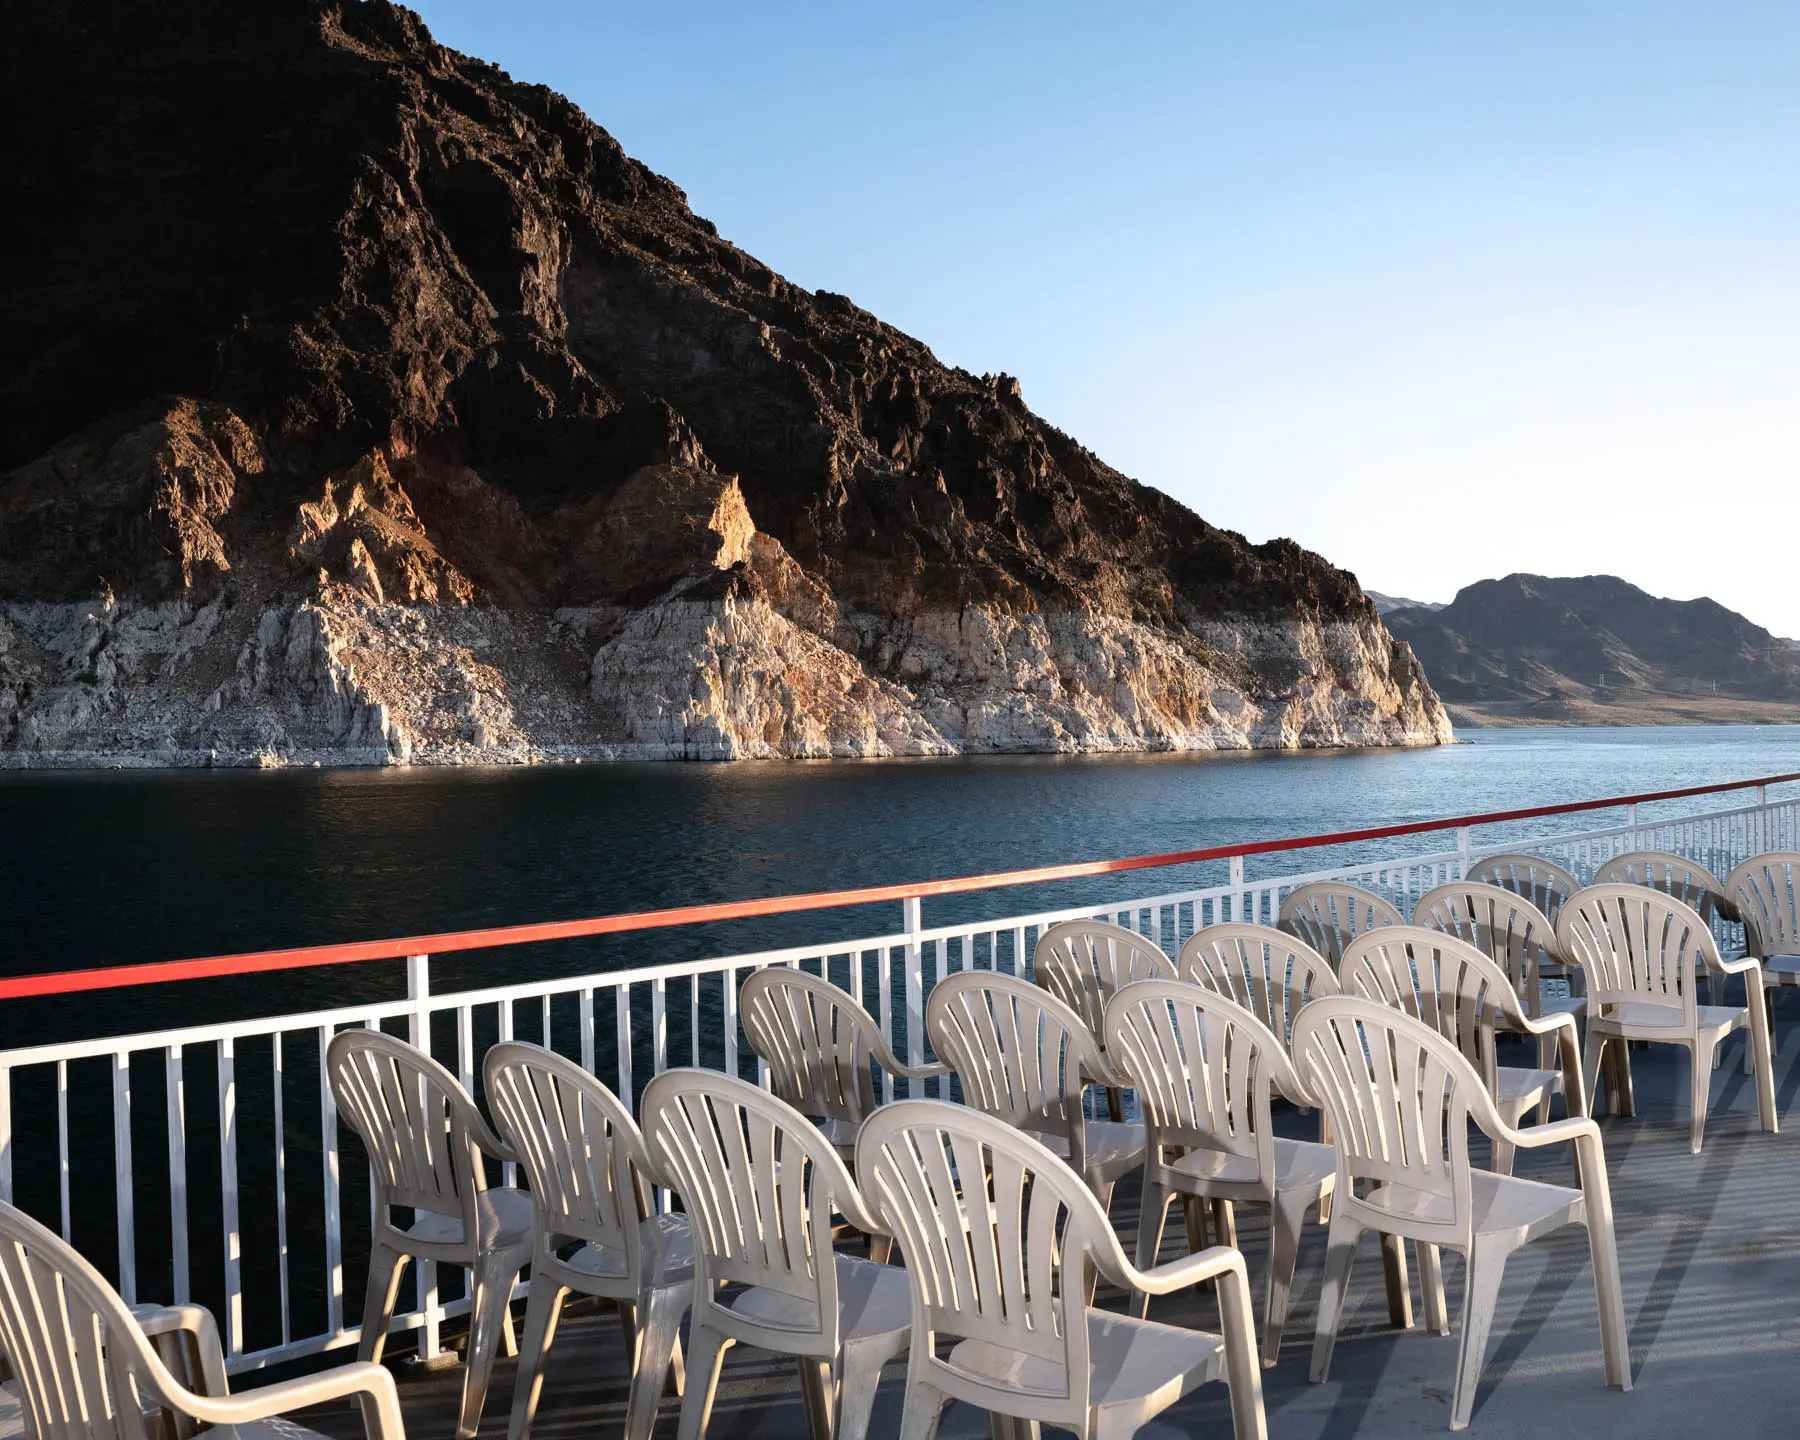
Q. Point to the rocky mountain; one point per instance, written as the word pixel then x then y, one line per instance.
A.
pixel 359 403
pixel 1384 604
pixel 1596 650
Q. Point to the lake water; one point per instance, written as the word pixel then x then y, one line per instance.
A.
pixel 109 868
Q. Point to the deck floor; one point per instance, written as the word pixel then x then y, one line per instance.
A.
pixel 1710 1249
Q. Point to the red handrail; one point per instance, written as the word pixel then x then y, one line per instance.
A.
pixel 309 957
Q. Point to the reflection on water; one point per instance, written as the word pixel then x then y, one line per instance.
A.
pixel 109 868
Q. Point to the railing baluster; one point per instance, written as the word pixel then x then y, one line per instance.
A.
pixel 62 1145
pixel 228 1180
pixel 729 1008
pixel 122 1186
pixel 622 1000
pixel 281 1221
pixel 175 1090
pixel 329 1175
pixel 587 1029
pixel 659 1026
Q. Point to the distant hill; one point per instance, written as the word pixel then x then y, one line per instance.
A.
pixel 1595 650
pixel 1385 603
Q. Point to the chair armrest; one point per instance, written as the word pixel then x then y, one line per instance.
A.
pixel 930 1070
pixel 1191 1270
pixel 195 1320
pixel 1549 1024
pixel 1568 1131
pixel 381 1403
pixel 1740 966
pixel 1098 1070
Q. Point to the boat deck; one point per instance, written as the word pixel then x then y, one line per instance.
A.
pixel 1710 1249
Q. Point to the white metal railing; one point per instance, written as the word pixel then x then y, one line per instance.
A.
pixel 228 1179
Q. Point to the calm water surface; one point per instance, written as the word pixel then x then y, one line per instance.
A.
pixel 104 869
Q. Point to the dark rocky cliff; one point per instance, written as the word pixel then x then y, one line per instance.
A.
pixel 356 399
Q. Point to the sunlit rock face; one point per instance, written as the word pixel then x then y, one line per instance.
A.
pixel 361 405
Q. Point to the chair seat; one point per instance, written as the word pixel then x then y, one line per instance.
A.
pixel 668 1251
pixel 1782 969
pixel 872 1300
pixel 1636 1021
pixel 1521 1088
pixel 1134 1363
pixel 1114 1148
pixel 1299 1164
pixel 1501 1204
pixel 504 1218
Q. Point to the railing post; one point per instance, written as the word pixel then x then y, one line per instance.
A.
pixel 1463 839
pixel 418 1030
pixel 1631 826
pixel 1237 886
pixel 913 922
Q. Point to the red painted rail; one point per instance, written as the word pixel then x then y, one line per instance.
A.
pixel 115 977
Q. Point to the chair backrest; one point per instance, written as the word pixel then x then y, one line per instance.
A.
pixel 1501 923
pixel 82 1368
pixel 415 1120
pixel 816 1040
pixel 1267 971
pixel 760 1185
pixel 1765 889
pixel 1084 963
pixel 1543 882
pixel 996 1233
pixel 1687 880
pixel 1399 1097
pixel 1021 1054
pixel 1328 914
pixel 582 1152
pixel 1440 980
pixel 1637 946
pixel 1204 1067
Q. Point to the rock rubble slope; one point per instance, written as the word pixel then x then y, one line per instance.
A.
pixel 359 404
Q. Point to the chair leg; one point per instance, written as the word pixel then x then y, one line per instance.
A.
pixel 816 1389
pixel 1699 1091
pixel 1431 1283
pixel 1153 1214
pixel 1592 1057
pixel 488 1308
pixel 1609 1295
pixel 1340 1255
pixel 1481 1292
pixel 1547 1060
pixel 386 1266
pixel 1287 1215
pixel 658 1353
pixel 1115 1104
pixel 1760 1047
pixel 860 1366
pixel 706 1354
pixel 1224 1220
pixel 923 1408
pixel 1399 1289
pixel 542 1311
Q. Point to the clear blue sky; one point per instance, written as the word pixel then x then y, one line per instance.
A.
pixel 1440 290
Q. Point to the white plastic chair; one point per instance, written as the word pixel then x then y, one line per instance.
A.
pixel 425 1140
pixel 1026 1058
pixel 1543 882
pixel 1084 963
pixel 1269 972
pixel 1687 880
pixel 1204 1069
pixel 818 1042
pixel 760 1185
pixel 86 1367
pixel 998 1235
pixel 1400 1098
pixel 1329 914
pixel 1463 995
pixel 1642 951
pixel 1516 936
pixel 584 1159
pixel 1765 890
